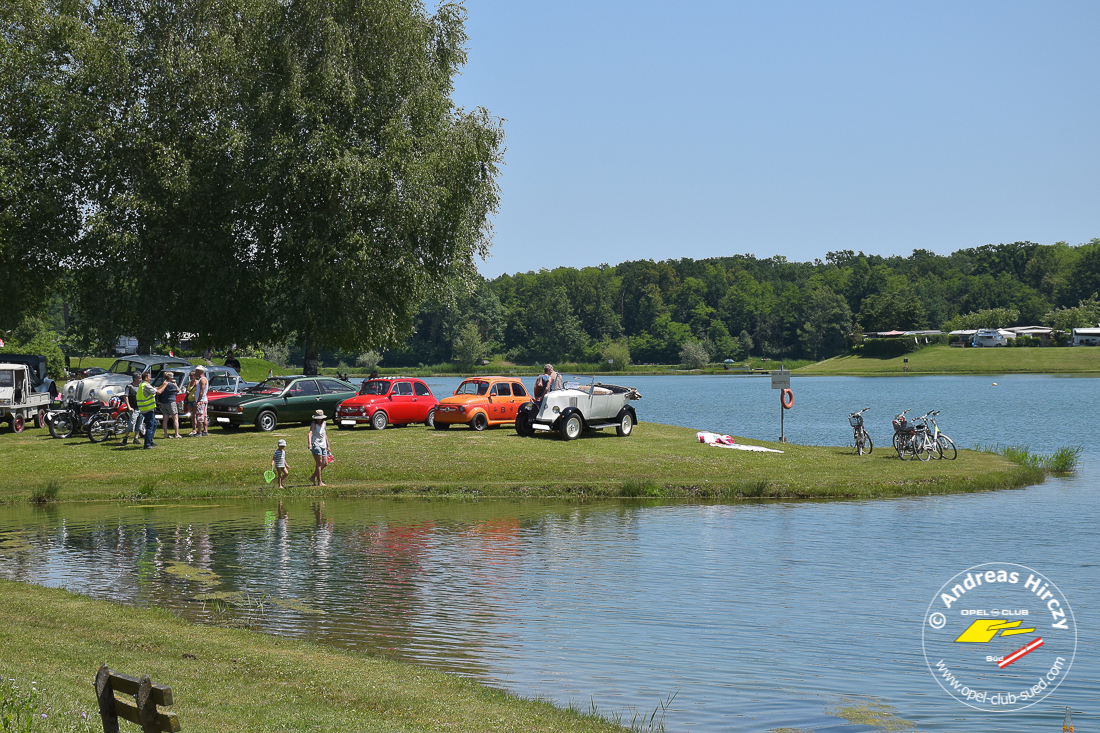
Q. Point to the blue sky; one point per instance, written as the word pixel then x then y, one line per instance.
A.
pixel 699 129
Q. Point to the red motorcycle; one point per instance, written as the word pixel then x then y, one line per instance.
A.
pixel 108 420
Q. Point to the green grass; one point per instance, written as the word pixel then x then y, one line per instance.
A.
pixel 1063 460
pixel 226 679
pixel 656 461
pixel 955 360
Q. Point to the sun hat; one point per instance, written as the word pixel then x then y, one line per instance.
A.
pixel 200 368
pixel 320 415
pixel 281 443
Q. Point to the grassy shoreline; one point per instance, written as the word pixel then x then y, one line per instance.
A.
pixel 947 360
pixel 656 461
pixel 227 679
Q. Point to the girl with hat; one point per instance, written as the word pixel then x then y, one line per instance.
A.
pixel 278 462
pixel 318 446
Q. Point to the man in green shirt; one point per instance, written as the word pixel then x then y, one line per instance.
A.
pixel 147 406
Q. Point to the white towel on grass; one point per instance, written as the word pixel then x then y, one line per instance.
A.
pixel 728 441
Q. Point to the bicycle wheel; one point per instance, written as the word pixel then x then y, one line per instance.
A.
pixel 869 445
pixel 906 450
pixel 947 447
pixel 924 447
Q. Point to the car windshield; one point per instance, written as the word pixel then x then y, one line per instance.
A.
pixel 7 378
pixel 125 366
pixel 220 381
pixel 375 387
pixel 275 385
pixel 473 387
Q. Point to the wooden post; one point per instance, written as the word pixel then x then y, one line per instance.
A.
pixel 106 696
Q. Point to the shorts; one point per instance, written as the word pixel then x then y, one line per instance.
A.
pixel 169 408
pixel 200 410
pixel 133 417
pixel 319 451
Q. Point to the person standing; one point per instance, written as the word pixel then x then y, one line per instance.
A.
pixel 548 381
pixel 278 462
pixel 232 362
pixel 318 446
pixel 201 386
pixel 166 397
pixel 132 416
pixel 189 400
pixel 147 406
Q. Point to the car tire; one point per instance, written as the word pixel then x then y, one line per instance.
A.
pixel 379 420
pixel 40 419
pixel 442 426
pixel 523 424
pixel 480 422
pixel 625 426
pixel 266 421
pixel 430 421
pixel 17 423
pixel 571 427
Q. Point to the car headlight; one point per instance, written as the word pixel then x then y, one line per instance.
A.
pixel 556 409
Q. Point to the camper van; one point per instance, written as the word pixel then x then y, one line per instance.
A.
pixel 988 337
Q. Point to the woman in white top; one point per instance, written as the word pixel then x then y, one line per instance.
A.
pixel 318 446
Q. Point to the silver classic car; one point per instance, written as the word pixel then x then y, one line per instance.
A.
pixel 577 408
pixel 113 383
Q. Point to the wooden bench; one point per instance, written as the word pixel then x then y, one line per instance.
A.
pixel 142 711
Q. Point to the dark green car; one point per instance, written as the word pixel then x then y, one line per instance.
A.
pixel 279 400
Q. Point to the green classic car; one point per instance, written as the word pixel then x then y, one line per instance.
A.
pixel 279 400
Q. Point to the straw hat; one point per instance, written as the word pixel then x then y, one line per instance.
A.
pixel 320 415
pixel 200 368
pixel 281 443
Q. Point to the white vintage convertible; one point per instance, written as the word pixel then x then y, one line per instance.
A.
pixel 577 408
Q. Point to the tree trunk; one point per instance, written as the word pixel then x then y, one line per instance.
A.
pixel 312 363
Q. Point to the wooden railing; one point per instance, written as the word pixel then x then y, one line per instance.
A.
pixel 142 711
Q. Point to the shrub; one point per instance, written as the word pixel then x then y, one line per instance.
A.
pixel 614 355
pixel 46 494
pixel 694 355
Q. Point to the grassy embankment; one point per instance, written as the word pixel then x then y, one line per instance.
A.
pixel 226 679
pixel 955 360
pixel 657 460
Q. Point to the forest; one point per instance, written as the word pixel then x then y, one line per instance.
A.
pixel 734 307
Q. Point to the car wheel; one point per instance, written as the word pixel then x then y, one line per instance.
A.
pixel 442 426
pixel 571 427
pixel 625 426
pixel 430 421
pixel 266 421
pixel 523 425
pixel 17 423
pixel 480 422
pixel 40 419
pixel 379 420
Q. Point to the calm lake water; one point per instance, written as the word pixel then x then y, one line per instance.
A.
pixel 756 615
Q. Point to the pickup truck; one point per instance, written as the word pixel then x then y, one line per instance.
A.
pixel 25 393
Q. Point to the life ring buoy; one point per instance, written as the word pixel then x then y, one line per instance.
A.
pixel 787 398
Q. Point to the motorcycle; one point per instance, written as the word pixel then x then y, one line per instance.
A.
pixel 113 419
pixel 63 423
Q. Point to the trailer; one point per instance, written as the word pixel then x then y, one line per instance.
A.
pixel 20 400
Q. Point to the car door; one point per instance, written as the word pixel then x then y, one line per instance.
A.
pixel 401 402
pixel 501 408
pixel 300 400
pixel 423 400
pixel 332 394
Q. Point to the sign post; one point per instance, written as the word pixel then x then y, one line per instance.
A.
pixel 781 380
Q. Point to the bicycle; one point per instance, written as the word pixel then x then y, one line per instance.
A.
pixel 862 440
pixel 944 445
pixel 921 442
pixel 901 433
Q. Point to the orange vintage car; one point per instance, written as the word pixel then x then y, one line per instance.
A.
pixel 482 401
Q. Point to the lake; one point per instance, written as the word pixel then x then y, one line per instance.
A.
pixel 754 615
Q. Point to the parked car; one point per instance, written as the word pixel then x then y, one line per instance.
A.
pixel 389 401
pixel 482 401
pixel 224 381
pixel 573 410
pixel 989 337
pixel 113 383
pixel 280 400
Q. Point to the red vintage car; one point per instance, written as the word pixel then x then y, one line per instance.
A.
pixel 391 400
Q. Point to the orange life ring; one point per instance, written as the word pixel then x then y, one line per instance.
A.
pixel 787 398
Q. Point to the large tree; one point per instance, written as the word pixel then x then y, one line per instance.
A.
pixel 268 169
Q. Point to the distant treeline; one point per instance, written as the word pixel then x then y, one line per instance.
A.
pixel 741 305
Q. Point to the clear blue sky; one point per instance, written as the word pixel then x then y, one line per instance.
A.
pixel 697 129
